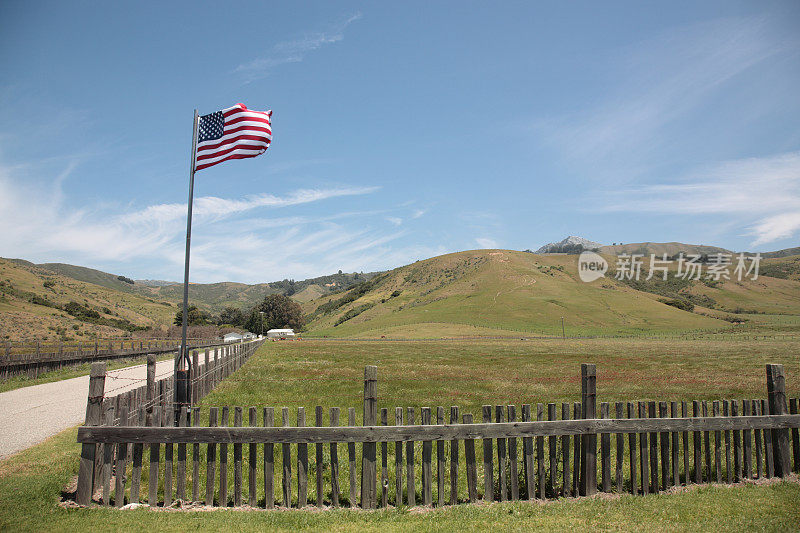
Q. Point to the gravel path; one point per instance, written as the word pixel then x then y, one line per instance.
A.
pixel 32 414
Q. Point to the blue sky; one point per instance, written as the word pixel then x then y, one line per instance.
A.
pixel 401 130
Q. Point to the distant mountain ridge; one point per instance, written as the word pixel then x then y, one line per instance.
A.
pixel 660 248
pixel 786 252
pixel 155 282
pixel 575 245
pixel 211 297
pixel 571 244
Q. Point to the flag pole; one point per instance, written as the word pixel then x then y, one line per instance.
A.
pixel 182 383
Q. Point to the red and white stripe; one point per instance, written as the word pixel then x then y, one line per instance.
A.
pixel 246 134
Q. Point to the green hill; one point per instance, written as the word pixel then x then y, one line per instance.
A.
pixel 782 266
pixel 782 253
pixel 482 292
pixel 211 297
pixel 495 291
pixel 90 275
pixel 36 302
pixel 660 248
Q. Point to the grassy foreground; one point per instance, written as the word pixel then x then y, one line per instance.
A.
pixel 454 373
pixel 31 484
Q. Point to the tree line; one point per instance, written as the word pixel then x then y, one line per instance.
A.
pixel 274 311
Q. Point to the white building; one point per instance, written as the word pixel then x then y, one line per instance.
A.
pixel 232 337
pixel 280 334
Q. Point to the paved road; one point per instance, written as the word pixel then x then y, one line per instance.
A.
pixel 30 415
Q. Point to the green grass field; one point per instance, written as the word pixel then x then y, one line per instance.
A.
pixel 468 374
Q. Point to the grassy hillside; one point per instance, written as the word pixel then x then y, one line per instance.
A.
pixel 784 267
pixel 473 293
pixel 90 275
pixel 211 297
pixel 782 253
pixel 660 248
pixel 32 302
pixel 495 291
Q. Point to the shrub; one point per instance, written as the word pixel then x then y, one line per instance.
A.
pixel 354 294
pixel 680 304
pixel 39 300
pixel 354 312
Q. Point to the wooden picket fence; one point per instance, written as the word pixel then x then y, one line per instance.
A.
pixel 32 358
pixel 209 367
pixel 653 445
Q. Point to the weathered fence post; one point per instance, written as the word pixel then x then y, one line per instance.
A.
pixel 195 386
pixel 207 374
pixel 97 381
pixel 588 441
pixel 368 466
pixel 217 368
pixel 151 386
pixel 776 394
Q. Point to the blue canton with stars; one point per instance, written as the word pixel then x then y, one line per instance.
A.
pixel 211 127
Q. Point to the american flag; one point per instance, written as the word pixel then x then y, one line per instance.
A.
pixel 233 133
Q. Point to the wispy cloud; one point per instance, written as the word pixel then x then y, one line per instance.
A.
pixel 657 83
pixel 396 221
pixel 485 242
pixel 294 51
pixel 244 243
pixel 763 193
pixel 776 227
pixel 214 207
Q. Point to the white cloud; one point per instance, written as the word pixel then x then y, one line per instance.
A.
pixel 294 51
pixel 396 221
pixel 242 244
pixel 656 83
pixel 762 193
pixel 776 227
pixel 418 213
pixel 484 242
pixel 213 207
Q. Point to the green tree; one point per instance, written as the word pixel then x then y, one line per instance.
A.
pixel 196 317
pixel 279 312
pixel 233 316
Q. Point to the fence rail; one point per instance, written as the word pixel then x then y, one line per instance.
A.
pixel 507 430
pixel 656 445
pixel 32 359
